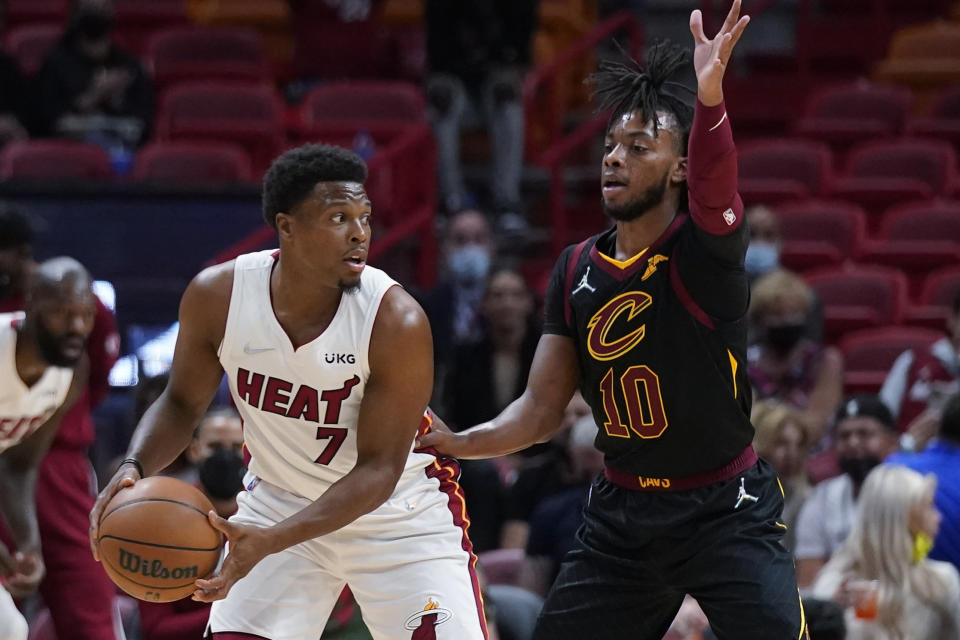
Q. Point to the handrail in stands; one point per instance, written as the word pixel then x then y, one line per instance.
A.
pixel 555 156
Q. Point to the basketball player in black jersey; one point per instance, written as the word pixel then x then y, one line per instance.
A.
pixel 649 320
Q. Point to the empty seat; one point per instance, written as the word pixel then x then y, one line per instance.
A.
pixel 501 566
pixel 22 11
pixel 29 44
pixel 382 108
pixel 249 115
pixel 937 297
pixel 918 236
pixel 923 56
pixel 858 297
pixel 868 354
pixel 775 170
pixel 54 159
pixel 852 112
pixel 943 122
pixel 222 53
pixel 138 20
pixel 818 233
pixel 187 162
pixel 883 173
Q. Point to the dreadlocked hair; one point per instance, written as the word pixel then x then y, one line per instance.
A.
pixel 649 88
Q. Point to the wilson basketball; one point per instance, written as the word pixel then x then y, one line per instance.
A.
pixel 155 539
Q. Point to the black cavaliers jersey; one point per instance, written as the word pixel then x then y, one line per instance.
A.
pixel 661 344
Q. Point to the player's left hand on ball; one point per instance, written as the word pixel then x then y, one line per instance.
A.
pixel 27 575
pixel 247 545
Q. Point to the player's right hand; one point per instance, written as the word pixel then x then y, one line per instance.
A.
pixel 125 477
pixel 440 439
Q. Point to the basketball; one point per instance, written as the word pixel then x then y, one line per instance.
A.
pixel 155 539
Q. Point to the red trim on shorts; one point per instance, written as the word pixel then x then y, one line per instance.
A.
pixel 447 472
pixel 640 483
pixel 686 299
pixel 425 422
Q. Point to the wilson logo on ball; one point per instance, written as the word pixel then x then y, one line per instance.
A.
pixel 134 563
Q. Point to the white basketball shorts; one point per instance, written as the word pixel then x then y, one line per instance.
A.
pixel 409 564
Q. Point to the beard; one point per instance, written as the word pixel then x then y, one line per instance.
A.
pixel 51 347
pixel 646 201
pixel 349 287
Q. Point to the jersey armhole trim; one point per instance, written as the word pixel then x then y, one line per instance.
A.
pixel 568 281
pixel 367 334
pixel 685 298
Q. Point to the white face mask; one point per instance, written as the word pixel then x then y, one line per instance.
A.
pixel 469 264
pixel 761 258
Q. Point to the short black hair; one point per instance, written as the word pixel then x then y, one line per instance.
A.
pixel 866 406
pixel 661 83
pixel 950 420
pixel 293 175
pixel 15 229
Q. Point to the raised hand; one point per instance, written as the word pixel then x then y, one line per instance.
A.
pixel 248 546
pixel 710 56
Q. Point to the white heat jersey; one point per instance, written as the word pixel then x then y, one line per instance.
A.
pixel 23 409
pixel 300 406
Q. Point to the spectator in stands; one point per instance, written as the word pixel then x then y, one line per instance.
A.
pixel 864 436
pixel 886 554
pixel 13 98
pixel 218 469
pixel 920 382
pixel 554 523
pixel 453 306
pixel 763 252
pixel 490 372
pixel 75 588
pixel 942 459
pixel 786 365
pixel 91 89
pixel 541 476
pixel 477 51
pixel 783 441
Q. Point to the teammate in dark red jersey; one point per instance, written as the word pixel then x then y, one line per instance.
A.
pixel 649 320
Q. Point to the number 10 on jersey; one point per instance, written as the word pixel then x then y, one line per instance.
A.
pixel 640 389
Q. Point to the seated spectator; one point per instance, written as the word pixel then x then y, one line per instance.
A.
pixel 490 372
pixel 218 468
pixel 89 88
pixel 885 558
pixel 554 523
pixel 541 476
pixel 942 459
pixel 784 364
pixel 864 436
pixel 919 383
pixel 782 440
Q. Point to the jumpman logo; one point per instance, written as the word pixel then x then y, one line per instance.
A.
pixel 584 284
pixel 743 495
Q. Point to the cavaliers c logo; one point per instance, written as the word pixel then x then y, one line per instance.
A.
pixel 602 324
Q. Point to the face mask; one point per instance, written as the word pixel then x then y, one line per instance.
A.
pixel 470 264
pixel 761 258
pixel 922 544
pixel 858 468
pixel 784 337
pixel 221 474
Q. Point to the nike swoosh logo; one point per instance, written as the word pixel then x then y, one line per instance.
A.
pixel 247 349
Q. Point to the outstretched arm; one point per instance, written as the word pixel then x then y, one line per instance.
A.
pixel 167 427
pixel 394 399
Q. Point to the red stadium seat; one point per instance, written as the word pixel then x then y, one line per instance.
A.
pixel 138 20
pixel 776 170
pixel 53 159
pixel 859 111
pixel 940 291
pixel 819 233
pixel 194 53
pixel 249 115
pixel 869 354
pixel 944 119
pixel 883 173
pixel 187 162
pixel 23 11
pixel 501 566
pixel 918 236
pixel 29 44
pixel 858 297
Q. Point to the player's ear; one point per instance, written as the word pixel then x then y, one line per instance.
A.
pixel 284 223
pixel 679 173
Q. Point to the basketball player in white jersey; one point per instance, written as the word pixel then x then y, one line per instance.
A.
pixel 330 364
pixel 42 371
